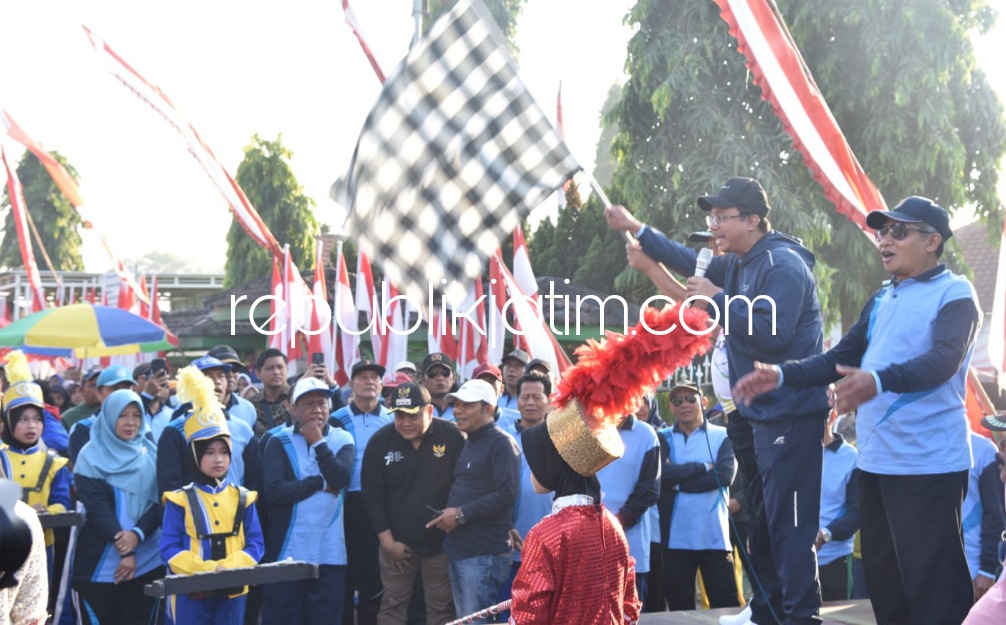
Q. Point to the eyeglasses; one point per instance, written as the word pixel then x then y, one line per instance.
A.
pixel 717 220
pixel 680 399
pixel 899 231
pixel 438 373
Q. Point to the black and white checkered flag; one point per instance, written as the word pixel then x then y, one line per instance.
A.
pixel 451 159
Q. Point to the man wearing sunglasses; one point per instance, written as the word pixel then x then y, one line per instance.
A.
pixel 763 289
pixel 903 367
pixel 438 378
pixel 698 468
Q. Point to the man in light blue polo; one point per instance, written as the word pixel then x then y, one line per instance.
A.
pixel 364 416
pixel 696 474
pixel 630 486
pixel 306 467
pixel 903 367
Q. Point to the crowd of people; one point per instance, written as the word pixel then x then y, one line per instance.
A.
pixel 422 500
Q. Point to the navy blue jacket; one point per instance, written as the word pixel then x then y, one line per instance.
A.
pixel 777 267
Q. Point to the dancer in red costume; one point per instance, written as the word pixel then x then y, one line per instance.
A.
pixel 576 565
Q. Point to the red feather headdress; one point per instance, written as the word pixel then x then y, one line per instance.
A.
pixel 611 376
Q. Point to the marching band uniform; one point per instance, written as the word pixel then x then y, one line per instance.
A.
pixel 575 566
pixel 209 524
pixel 42 474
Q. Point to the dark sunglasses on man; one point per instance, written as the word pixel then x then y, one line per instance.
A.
pixel 680 399
pixel 439 372
pixel 899 231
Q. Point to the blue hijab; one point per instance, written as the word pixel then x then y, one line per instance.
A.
pixel 130 466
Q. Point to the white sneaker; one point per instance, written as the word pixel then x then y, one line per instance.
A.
pixel 742 618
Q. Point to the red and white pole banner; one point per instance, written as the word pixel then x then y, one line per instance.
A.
pixel 16 196
pixel 778 68
pixel 345 323
pixel 355 26
pixel 319 334
pixel 366 303
pixel 64 181
pixel 242 209
pixel 496 334
pixel 473 332
pixel 276 306
pixel 539 339
pixel 997 324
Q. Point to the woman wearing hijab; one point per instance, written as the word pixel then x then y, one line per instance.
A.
pixel 118 549
pixel 576 567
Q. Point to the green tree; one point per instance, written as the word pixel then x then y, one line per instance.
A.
pixel 505 12
pixel 55 218
pixel 899 76
pixel 267 180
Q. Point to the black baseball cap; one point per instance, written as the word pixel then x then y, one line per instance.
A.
pixel 702 236
pixel 409 398
pixel 745 194
pixel 687 385
pixel 914 210
pixel 93 372
pixel 436 359
pixel 538 362
pixel 519 355
pixel 366 365
pixel 227 355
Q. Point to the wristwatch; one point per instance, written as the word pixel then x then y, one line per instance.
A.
pixel 460 517
pixel 826 534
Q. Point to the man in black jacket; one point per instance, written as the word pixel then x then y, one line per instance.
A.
pixel 479 510
pixel 408 469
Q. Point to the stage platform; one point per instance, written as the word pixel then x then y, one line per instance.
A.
pixel 833 613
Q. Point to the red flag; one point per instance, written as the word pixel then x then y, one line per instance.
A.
pixel 17 204
pixel 977 403
pixel 777 67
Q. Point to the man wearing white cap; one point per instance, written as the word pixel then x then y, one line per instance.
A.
pixel 306 466
pixel 480 506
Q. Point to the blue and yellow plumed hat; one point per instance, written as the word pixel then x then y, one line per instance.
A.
pixel 22 394
pixel 206 420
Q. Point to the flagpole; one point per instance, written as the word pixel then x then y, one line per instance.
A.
pixel 601 195
pixel 417 15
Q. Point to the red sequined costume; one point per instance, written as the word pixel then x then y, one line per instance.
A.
pixel 576 569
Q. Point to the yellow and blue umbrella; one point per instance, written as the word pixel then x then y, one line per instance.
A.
pixel 86 331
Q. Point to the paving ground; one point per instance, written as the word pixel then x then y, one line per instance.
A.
pixel 835 613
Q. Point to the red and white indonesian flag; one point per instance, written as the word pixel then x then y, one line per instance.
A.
pixel 242 209
pixel 997 327
pixel 16 196
pixel 345 323
pixel 786 83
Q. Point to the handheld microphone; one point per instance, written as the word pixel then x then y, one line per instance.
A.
pixel 702 262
